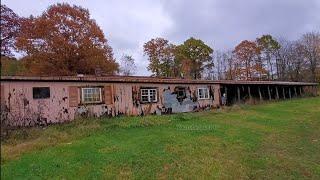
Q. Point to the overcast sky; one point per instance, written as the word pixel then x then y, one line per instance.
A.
pixel 222 24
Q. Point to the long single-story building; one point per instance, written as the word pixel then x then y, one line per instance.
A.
pixel 29 101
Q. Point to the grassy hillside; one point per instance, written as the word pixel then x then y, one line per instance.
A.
pixel 277 140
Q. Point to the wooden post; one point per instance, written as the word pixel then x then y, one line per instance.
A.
pixel 295 91
pixel 300 89
pixel 269 93
pixel 277 93
pixel 249 92
pixel 260 93
pixel 283 93
pixel 226 91
pixel 289 92
pixel 238 94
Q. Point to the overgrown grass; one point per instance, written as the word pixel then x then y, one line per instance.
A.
pixel 276 140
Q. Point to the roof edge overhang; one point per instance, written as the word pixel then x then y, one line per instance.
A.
pixel 144 79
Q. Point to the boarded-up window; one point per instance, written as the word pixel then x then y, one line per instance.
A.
pixel 108 95
pixel 2 94
pixel 73 96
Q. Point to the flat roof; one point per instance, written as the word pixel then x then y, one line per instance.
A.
pixel 144 79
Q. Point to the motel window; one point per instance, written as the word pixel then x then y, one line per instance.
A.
pixel 148 95
pixel 181 92
pixel 203 93
pixel 41 92
pixel 91 95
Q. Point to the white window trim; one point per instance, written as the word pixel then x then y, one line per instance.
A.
pixel 91 102
pixel 149 95
pixel 208 94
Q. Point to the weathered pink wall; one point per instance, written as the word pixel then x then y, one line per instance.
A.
pixel 23 110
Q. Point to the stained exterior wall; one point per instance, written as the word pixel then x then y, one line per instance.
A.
pixel 21 109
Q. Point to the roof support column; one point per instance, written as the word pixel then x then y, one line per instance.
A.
pixel 226 92
pixel 277 93
pixel 260 93
pixel 283 93
pixel 249 91
pixel 289 92
pixel 269 93
pixel 300 89
pixel 238 89
pixel 295 92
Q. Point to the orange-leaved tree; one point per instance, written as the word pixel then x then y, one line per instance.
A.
pixel 161 57
pixel 248 62
pixel 65 41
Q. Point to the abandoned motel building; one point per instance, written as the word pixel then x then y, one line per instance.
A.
pixel 31 101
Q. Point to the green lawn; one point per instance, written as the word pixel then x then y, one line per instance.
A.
pixel 276 140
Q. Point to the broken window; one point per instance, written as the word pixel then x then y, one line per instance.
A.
pixel 91 95
pixel 203 93
pixel 148 95
pixel 41 92
pixel 181 93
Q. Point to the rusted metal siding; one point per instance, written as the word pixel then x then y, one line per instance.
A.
pixel 119 98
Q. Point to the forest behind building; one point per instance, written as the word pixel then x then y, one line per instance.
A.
pixel 65 40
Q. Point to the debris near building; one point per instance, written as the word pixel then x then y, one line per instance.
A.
pixel 39 101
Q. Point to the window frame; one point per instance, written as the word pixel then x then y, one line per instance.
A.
pixel 181 89
pixel 91 102
pixel 206 95
pixel 149 95
pixel 35 97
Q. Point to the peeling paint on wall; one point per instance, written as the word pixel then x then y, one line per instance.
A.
pixel 172 104
pixel 21 109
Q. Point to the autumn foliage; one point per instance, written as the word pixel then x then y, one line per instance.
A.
pixel 247 61
pixel 64 41
pixel 161 57
pixel 186 60
pixel 10 26
pixel 194 56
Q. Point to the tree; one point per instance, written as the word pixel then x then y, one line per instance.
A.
pixel 228 58
pixel 161 57
pixel 310 44
pixel 295 62
pixel 220 62
pixel 10 26
pixel 128 66
pixel 65 41
pixel 248 65
pixel 194 56
pixel 269 48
